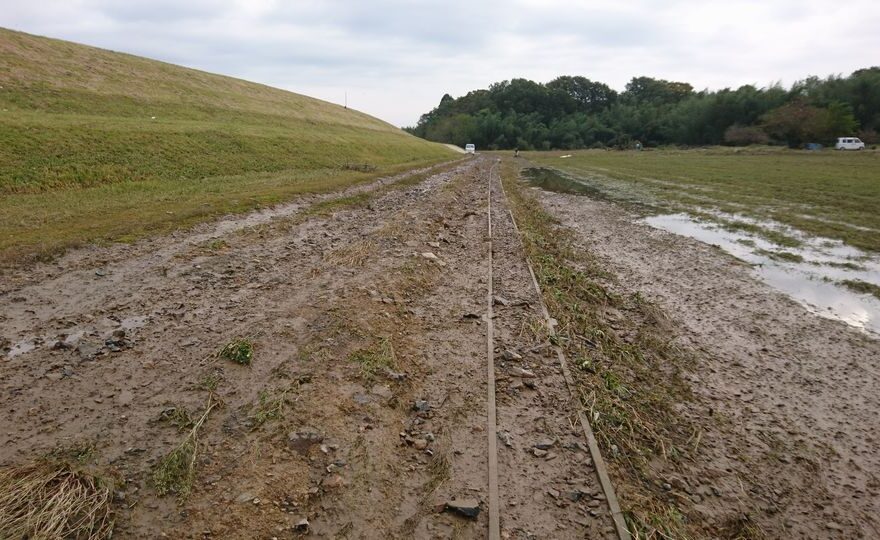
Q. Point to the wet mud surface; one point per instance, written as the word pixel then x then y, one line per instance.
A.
pixel 786 401
pixel 363 412
pixel 812 271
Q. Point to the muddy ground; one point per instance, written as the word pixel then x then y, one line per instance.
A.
pixel 786 401
pixel 363 411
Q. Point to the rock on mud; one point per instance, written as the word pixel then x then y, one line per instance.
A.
pixel 304 439
pixel 469 508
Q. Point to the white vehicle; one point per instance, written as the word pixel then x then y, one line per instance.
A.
pixel 469 149
pixel 849 143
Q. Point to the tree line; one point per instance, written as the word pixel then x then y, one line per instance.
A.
pixel 574 112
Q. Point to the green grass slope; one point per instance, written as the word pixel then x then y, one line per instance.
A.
pixel 98 145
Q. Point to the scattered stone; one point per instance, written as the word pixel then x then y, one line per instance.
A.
pixel 466 507
pixel 245 497
pixel 511 355
pixel 100 273
pixel 500 301
pixel 538 452
pixel 505 438
pixel 553 493
pixel 394 375
pixel 302 526
pixel 430 256
pixel 420 444
pixel 545 444
pixel 88 350
pixel 333 481
pixel 833 526
pixel 520 372
pixel 60 345
pixel 421 405
pixel 574 495
pixel 470 316
pixel 303 440
pixel 434 244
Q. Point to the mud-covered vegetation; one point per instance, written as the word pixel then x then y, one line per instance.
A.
pixel 575 112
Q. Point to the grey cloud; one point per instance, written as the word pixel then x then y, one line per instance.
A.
pixel 396 58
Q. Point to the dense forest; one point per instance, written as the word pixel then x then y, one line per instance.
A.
pixel 575 112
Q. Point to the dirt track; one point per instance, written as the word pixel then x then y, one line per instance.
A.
pixel 361 451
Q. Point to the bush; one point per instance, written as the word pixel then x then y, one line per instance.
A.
pixel 738 135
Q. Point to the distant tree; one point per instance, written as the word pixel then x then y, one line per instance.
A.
pixel 589 96
pixel 798 122
pixel 656 91
pixel 575 112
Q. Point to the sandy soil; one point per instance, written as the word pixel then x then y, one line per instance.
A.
pixel 104 343
pixel 787 401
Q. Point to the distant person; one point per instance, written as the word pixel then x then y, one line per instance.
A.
pixel 516 152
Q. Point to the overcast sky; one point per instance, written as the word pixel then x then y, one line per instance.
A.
pixel 397 58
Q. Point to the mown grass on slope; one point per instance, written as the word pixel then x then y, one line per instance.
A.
pixel 828 193
pixel 97 145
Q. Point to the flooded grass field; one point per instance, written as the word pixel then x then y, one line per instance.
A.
pixel 827 193
pixel 828 275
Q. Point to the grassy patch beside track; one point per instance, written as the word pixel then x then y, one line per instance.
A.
pixel 628 371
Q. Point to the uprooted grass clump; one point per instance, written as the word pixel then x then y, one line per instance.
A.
pixel 54 499
pixel 271 404
pixel 175 472
pixel 629 370
pixel 240 351
pixel 375 358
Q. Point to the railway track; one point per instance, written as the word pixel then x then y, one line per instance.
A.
pixel 527 407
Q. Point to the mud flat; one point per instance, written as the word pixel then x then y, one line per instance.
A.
pixel 353 401
pixel 786 401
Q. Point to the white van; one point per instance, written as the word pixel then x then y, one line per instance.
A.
pixel 469 149
pixel 849 143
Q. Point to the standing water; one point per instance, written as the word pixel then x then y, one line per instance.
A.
pixel 813 273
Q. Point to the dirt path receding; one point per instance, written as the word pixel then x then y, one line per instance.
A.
pixel 798 394
pixel 363 411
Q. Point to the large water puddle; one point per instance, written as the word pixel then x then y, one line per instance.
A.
pixel 812 273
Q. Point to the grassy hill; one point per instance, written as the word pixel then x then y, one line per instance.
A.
pixel 98 145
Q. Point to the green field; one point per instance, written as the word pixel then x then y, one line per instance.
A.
pixel 828 193
pixel 102 146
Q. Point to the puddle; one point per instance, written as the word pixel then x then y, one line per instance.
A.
pixel 809 278
pixel 22 347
